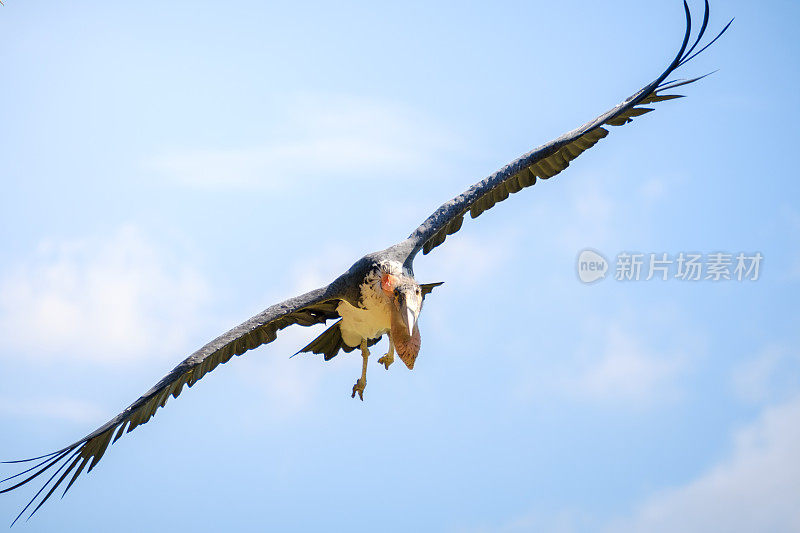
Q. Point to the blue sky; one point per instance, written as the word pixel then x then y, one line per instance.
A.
pixel 168 170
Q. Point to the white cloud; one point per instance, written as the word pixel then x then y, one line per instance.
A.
pixel 322 267
pixel 319 139
pixel 58 408
pixel 620 361
pixel 767 375
pixel 626 369
pixel 591 220
pixel 594 209
pixel 469 260
pixel 540 520
pixel 585 213
pixel 99 299
pixel 755 489
pixel 752 377
pixel 289 385
pixel 652 189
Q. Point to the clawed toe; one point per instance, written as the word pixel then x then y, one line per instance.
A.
pixel 386 360
pixel 359 388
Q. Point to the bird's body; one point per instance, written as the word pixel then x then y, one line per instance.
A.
pixel 381 297
pixel 377 296
pixel 371 317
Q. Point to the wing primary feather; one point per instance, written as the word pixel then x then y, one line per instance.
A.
pixel 104 440
pixel 75 476
pixel 702 29
pixel 71 462
pixel 552 158
pixel 121 431
pixel 728 25
pixel 24 471
pixel 41 471
pixel 314 307
pixel 40 491
pixel 29 460
pixel 661 98
pixel 310 308
pixel 677 60
pixel 680 83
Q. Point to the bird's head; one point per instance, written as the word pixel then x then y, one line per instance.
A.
pixel 405 295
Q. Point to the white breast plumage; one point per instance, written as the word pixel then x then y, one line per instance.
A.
pixel 373 316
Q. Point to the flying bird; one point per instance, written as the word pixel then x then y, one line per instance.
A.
pixel 377 296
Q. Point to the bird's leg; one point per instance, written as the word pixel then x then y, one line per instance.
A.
pixel 361 384
pixel 388 359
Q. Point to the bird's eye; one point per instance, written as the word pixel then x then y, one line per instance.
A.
pixel 397 293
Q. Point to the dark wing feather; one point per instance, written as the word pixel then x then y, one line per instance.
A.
pixel 311 308
pixel 553 157
pixel 330 342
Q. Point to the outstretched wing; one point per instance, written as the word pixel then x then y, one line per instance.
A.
pixel 553 157
pixel 311 308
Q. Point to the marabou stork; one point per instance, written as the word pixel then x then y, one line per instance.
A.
pixel 377 296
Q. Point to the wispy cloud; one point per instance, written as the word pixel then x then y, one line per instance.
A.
pixel 591 219
pixel 627 369
pixel 652 189
pixel 101 299
pixel 68 409
pixel 623 361
pixel 768 375
pixel 289 386
pixel 549 521
pixel 594 209
pixel 469 260
pixel 322 266
pixel 317 139
pixel 754 489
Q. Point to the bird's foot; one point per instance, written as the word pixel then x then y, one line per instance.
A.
pixel 359 387
pixel 387 359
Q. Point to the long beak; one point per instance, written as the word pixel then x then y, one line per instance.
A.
pixel 409 315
